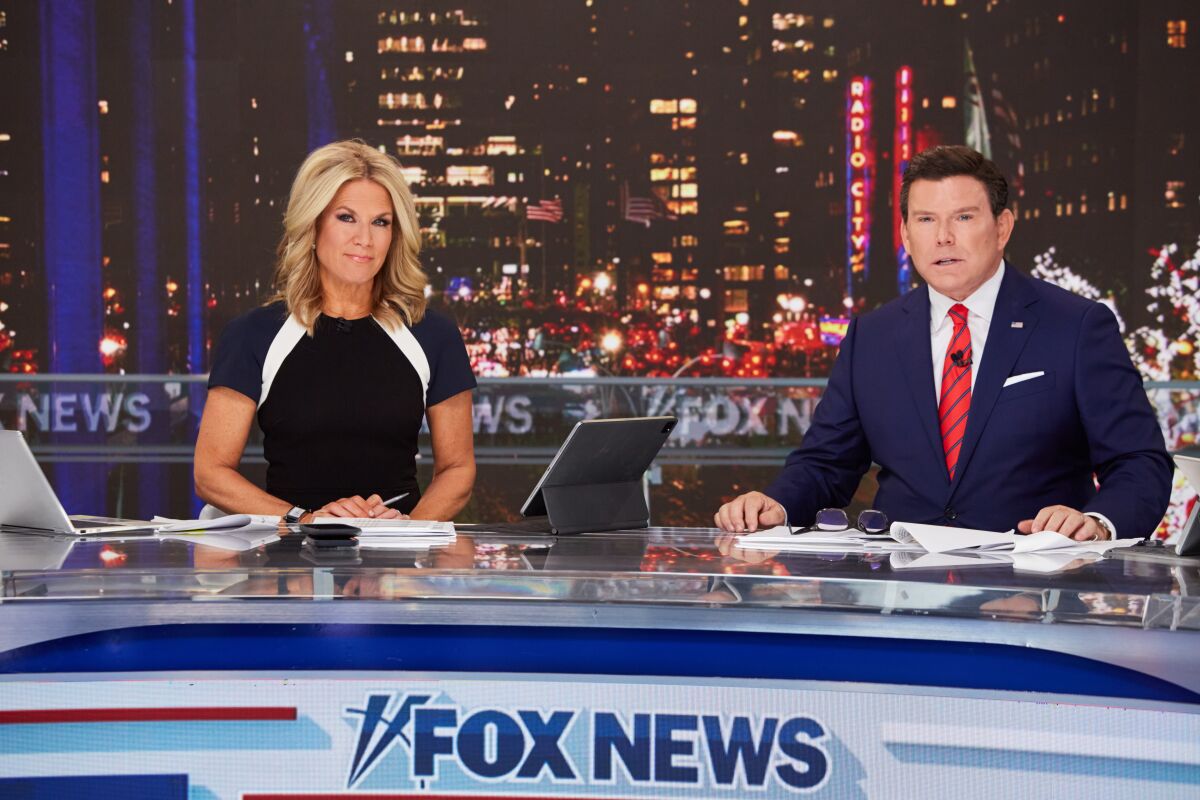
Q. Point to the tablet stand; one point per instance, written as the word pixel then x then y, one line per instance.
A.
pixel 596 507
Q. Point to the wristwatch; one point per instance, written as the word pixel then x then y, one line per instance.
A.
pixel 293 516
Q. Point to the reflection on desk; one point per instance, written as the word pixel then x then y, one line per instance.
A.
pixel 654 566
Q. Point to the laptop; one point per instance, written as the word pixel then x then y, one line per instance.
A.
pixel 594 481
pixel 28 501
pixel 1188 543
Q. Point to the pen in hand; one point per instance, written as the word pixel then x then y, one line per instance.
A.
pixel 391 501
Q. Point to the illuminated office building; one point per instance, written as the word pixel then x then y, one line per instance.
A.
pixel 22 311
pixel 804 57
pixel 1085 81
pixel 451 90
pixel 660 113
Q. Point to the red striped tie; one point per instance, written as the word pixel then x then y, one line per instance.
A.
pixel 956 387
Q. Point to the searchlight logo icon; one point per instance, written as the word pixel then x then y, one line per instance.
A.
pixel 640 749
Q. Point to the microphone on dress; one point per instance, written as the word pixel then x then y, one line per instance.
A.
pixel 959 361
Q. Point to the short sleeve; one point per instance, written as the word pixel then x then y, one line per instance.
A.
pixel 449 366
pixel 240 353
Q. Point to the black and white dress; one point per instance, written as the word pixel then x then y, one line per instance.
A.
pixel 341 410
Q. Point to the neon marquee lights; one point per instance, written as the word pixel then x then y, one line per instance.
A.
pixel 902 152
pixel 860 162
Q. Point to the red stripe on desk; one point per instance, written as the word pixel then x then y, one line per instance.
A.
pixel 203 714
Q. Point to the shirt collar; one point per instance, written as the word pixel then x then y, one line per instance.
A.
pixel 981 303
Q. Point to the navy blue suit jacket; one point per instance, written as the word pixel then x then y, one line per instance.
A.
pixel 1028 445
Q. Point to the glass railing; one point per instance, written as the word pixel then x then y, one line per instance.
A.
pixel 135 434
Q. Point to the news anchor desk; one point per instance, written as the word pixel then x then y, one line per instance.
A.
pixel 630 664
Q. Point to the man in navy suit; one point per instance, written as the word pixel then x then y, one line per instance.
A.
pixel 989 399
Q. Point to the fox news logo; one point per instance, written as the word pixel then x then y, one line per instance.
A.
pixel 645 748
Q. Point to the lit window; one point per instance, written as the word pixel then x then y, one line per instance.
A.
pixel 688 190
pixel 1177 33
pixel 949 101
pixel 413 175
pixel 744 272
pixel 501 146
pixel 737 300
pixel 687 105
pixel 463 175
pixel 419 145
pixel 1174 194
pixel 660 106
pixel 664 257
pixel 736 227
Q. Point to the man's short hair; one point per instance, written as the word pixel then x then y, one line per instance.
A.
pixel 949 160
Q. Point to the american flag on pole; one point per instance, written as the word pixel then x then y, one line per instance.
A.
pixel 642 209
pixel 545 211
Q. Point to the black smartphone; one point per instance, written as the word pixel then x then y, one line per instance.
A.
pixel 329 534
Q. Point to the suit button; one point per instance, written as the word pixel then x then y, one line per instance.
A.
pixel 950 513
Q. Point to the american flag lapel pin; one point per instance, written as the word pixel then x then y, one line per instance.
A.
pixel 1018 324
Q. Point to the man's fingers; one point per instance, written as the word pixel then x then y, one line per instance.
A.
pixel 753 505
pixel 732 515
pixel 772 514
pixel 1060 520
pixel 1089 530
pixel 1025 526
pixel 1072 525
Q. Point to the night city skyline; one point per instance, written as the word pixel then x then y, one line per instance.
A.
pixel 703 162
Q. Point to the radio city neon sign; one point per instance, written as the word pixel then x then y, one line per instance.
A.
pixel 902 153
pixel 858 178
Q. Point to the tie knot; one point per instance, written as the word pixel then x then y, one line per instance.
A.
pixel 959 312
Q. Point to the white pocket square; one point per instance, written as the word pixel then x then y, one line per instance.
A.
pixel 1028 376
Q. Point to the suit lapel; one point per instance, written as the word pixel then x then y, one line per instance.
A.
pixel 1004 344
pixel 915 353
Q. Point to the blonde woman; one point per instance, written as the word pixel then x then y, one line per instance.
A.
pixel 343 364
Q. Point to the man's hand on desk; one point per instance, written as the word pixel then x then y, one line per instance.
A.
pixel 749 512
pixel 1067 521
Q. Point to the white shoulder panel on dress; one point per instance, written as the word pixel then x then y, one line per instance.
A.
pixel 413 351
pixel 291 333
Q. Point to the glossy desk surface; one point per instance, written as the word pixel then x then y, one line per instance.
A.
pixel 1140 614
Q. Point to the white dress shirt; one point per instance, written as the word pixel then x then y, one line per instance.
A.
pixel 980 306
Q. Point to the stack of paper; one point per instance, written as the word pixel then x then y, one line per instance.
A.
pixel 941 539
pixel 917 546
pixel 397 534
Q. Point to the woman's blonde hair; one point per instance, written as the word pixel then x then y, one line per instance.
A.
pixel 398 296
